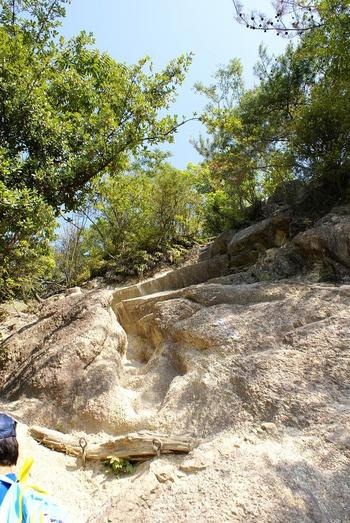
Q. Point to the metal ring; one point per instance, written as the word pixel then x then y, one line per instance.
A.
pixel 83 443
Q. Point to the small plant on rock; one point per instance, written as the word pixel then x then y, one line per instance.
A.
pixel 120 466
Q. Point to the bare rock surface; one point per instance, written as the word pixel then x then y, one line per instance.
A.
pixel 245 245
pixel 237 478
pixel 330 237
pixel 237 354
pixel 257 371
pixel 184 276
pixel 68 360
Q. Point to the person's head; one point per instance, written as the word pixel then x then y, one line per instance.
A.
pixel 8 441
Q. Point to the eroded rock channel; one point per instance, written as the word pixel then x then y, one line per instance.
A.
pixel 258 371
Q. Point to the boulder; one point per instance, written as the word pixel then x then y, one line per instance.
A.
pixel 278 263
pixel 69 359
pixel 330 237
pixel 220 244
pixel 73 290
pixel 246 245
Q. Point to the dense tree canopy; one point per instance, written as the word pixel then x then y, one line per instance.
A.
pixel 75 125
pixel 69 113
pixel 139 218
pixel 293 124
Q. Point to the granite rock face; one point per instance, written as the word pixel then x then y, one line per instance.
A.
pixel 329 238
pixel 246 245
pixel 68 360
pixel 243 352
pixel 254 364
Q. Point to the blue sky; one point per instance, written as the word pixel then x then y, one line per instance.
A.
pixel 163 29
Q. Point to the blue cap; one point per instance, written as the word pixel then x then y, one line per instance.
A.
pixel 7 426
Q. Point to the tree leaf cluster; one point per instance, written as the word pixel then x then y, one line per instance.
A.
pixel 293 124
pixel 136 220
pixel 69 114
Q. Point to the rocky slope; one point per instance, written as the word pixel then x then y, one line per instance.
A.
pixel 247 351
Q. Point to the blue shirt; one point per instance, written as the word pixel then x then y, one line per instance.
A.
pixel 5 486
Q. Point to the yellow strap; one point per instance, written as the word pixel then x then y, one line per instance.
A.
pixel 22 477
pixel 38 489
pixel 32 519
pixel 24 472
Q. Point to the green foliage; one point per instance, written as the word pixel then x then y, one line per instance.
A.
pixel 227 89
pixel 142 217
pixel 231 177
pixel 70 263
pixel 294 124
pixel 218 209
pixel 72 118
pixel 69 114
pixel 26 229
pixel 120 467
pixel 322 135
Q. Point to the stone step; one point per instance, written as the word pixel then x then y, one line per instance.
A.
pixel 184 277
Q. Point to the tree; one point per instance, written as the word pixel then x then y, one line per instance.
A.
pixel 26 230
pixel 140 216
pixel 176 212
pixel 69 113
pixel 289 18
pixel 228 150
pixel 71 267
pixel 293 125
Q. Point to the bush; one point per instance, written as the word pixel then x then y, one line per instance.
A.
pixel 26 230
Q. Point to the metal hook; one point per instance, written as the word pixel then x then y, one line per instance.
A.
pixel 83 445
pixel 157 446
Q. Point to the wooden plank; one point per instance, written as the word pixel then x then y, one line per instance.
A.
pixel 138 446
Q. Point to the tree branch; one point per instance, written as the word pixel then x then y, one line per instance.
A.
pixel 290 18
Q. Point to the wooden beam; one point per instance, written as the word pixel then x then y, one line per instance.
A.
pixel 138 446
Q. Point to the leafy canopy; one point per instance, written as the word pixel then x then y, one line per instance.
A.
pixel 138 217
pixel 294 124
pixel 69 114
